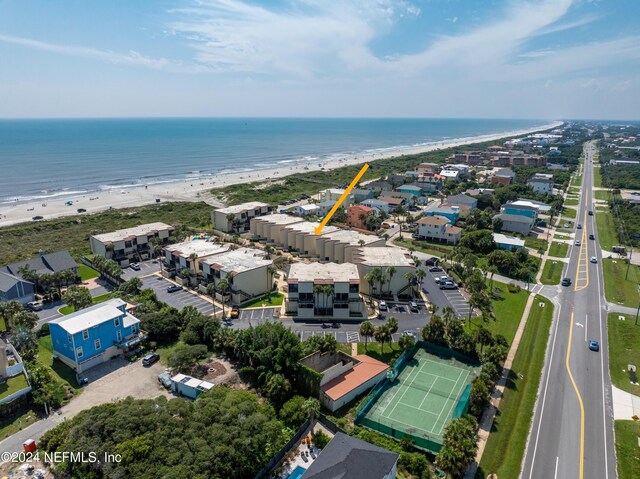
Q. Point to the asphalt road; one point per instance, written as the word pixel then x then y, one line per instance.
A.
pixel 572 432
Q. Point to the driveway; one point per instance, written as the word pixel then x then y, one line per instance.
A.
pixel 444 297
pixel 115 380
pixel 179 299
pixel 146 268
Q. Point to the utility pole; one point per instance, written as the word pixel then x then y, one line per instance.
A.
pixel 629 263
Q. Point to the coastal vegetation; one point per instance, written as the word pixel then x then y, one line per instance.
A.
pixel 627 433
pixel 620 287
pixel 558 250
pixel 625 341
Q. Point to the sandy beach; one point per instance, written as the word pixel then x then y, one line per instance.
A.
pixel 197 189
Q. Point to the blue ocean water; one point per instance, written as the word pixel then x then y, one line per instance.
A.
pixel 46 158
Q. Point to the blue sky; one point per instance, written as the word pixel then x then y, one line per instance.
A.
pixel 552 59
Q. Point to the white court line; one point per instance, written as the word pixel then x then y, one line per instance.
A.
pixel 453 404
pixel 405 392
pixel 417 408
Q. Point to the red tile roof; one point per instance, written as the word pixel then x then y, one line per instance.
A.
pixel 367 369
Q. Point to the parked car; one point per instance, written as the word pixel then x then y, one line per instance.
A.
pixel 416 236
pixel 34 306
pixel 594 259
pixel 134 266
pixel 442 279
pixel 436 269
pixel 414 208
pixel 82 210
pixel 325 325
pixel 165 380
pixel 413 306
pixel 432 261
pixel 566 282
pixel 592 237
pixel 383 306
pixel 235 312
pixel 149 359
pixel 594 345
pixel 36 218
pixel 336 325
pixel 408 332
pixel 566 225
pixel 448 285
pixel 173 288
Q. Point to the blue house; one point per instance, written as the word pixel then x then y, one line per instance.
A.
pixel 411 189
pixel 452 213
pixel 509 243
pixel 530 211
pixel 95 334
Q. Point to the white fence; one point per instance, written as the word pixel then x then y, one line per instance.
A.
pixel 15 395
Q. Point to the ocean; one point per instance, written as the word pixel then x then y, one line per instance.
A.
pixel 42 159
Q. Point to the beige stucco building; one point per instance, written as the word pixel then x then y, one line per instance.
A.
pixel 130 244
pixel 367 259
pixel 242 214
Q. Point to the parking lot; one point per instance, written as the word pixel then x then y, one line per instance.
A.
pixel 445 297
pixel 146 268
pixel 179 299
pixel 257 315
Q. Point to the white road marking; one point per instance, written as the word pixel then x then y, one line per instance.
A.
pixel 586 323
pixel 556 474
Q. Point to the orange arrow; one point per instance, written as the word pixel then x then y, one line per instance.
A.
pixel 318 229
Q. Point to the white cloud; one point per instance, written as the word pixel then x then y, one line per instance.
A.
pixel 131 58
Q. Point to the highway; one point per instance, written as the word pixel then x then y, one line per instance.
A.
pixel 572 430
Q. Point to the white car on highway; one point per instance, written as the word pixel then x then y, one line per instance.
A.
pixel 594 259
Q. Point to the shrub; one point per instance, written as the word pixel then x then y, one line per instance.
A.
pixel 320 439
pixel 514 288
pixel 44 330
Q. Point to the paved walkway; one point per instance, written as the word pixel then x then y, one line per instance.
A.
pixel 486 422
pixel 625 405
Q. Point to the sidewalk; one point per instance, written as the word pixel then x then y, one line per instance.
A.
pixel 486 422
pixel 625 405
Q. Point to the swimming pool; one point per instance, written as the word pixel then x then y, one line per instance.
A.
pixel 297 473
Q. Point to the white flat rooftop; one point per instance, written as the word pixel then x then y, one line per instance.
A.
pixel 351 237
pixel 235 209
pixel 238 261
pixel 303 272
pixel 278 219
pixel 383 257
pixel 201 248
pixel 94 316
pixel 130 233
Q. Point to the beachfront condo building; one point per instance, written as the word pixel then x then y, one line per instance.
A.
pixel 236 218
pixel 302 238
pixel 248 272
pixel 269 228
pixel 394 264
pixel 339 246
pixel 96 334
pixel 324 291
pixel 439 228
pixel 334 194
pixel 188 255
pixel 131 244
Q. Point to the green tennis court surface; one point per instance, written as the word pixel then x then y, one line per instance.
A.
pixel 429 391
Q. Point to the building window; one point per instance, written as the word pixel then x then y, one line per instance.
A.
pixel 85 334
pixel 69 338
pixel 134 328
pixel 79 352
pixel 119 335
pixel 96 343
pixel 116 322
pixel 293 288
pixel 354 288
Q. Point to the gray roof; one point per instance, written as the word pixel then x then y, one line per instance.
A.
pixel 516 218
pixel 347 457
pixel 46 263
pixel 459 198
pixel 505 172
pixel 8 281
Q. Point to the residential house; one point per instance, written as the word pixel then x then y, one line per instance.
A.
pixel 269 228
pixel 409 198
pixel 305 210
pixel 13 288
pixel 4 360
pixel 359 194
pixel 509 243
pixel 188 254
pixel 236 218
pixel 428 168
pixel 344 377
pixel 386 259
pixel 395 179
pixel 377 204
pixel 11 365
pixel 247 270
pixel 516 223
pixel 349 457
pixel 410 189
pixel 450 175
pixel 462 200
pixel 503 177
pixel 187 386
pixel 95 334
pixel 325 206
pixel 439 228
pixel 45 263
pixel 452 213
pixel 523 208
pixel 339 246
pixel 379 185
pixel 463 210
pixel 334 194
pixel 131 244
pixel 431 182
pixel 541 183
pixel 393 203
pixel 357 216
pixel 324 291
pixel 542 207
pixel 557 167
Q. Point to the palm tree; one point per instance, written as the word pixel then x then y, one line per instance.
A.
pixel 448 314
pixel 382 335
pixel 211 291
pixel 367 329
pixel 370 279
pixel 271 271
pixel 231 219
pixel 311 408
pixel 8 311
pixel 391 271
pixel 420 275
pixel 361 243
pixel 410 276
pixel 69 276
pixel 223 286
pixel 406 342
pixel 28 273
pixel 392 324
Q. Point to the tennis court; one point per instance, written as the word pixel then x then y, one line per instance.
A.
pixel 429 390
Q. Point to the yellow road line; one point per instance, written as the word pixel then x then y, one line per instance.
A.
pixel 575 387
pixel 582 257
